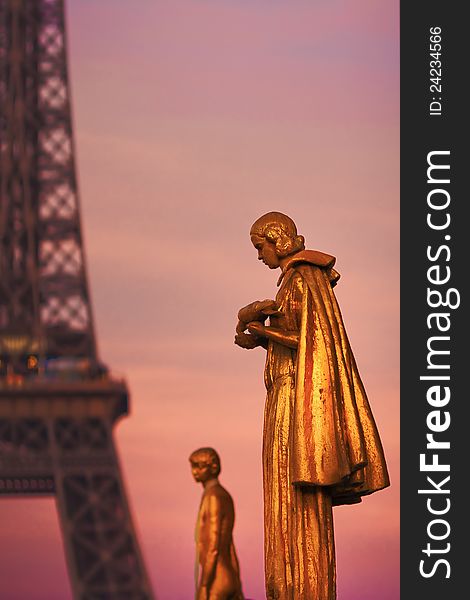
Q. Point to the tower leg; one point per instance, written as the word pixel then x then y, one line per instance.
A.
pixel 103 558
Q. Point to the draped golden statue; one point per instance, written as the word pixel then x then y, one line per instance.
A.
pixel 217 569
pixel 320 444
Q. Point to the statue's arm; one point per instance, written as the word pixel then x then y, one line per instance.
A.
pixel 276 334
pixel 248 341
pixel 256 311
pixel 212 554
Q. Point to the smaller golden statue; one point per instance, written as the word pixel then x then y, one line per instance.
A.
pixel 218 572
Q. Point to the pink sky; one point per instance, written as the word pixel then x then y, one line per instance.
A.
pixel 193 118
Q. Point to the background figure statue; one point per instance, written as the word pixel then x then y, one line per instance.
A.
pixel 320 444
pixel 218 569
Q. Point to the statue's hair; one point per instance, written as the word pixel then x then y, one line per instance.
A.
pixel 210 456
pixel 281 230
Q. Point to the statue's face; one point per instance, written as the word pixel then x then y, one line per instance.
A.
pixel 202 469
pixel 266 251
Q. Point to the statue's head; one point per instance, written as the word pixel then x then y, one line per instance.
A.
pixel 274 235
pixel 205 464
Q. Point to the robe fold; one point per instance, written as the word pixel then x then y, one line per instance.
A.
pixel 320 445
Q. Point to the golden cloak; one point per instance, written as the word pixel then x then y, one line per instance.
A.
pixel 333 438
pixel 320 442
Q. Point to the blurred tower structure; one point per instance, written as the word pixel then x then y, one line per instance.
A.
pixel 58 403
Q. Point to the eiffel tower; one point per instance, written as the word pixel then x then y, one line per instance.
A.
pixel 58 402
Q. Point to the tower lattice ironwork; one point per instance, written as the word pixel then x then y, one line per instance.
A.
pixel 58 403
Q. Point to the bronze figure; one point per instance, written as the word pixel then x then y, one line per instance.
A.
pixel 321 447
pixel 217 563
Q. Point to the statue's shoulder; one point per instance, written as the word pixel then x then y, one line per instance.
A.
pixel 313 258
pixel 305 264
pixel 217 491
pixel 218 495
pixel 313 273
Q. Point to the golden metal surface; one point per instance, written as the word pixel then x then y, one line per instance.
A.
pixel 321 447
pixel 217 569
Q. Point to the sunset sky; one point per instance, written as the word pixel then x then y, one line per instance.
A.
pixel 193 118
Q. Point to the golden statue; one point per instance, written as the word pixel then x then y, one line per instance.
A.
pixel 321 447
pixel 218 573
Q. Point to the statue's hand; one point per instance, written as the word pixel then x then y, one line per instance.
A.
pixel 257 311
pixel 241 327
pixel 257 329
pixel 247 341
